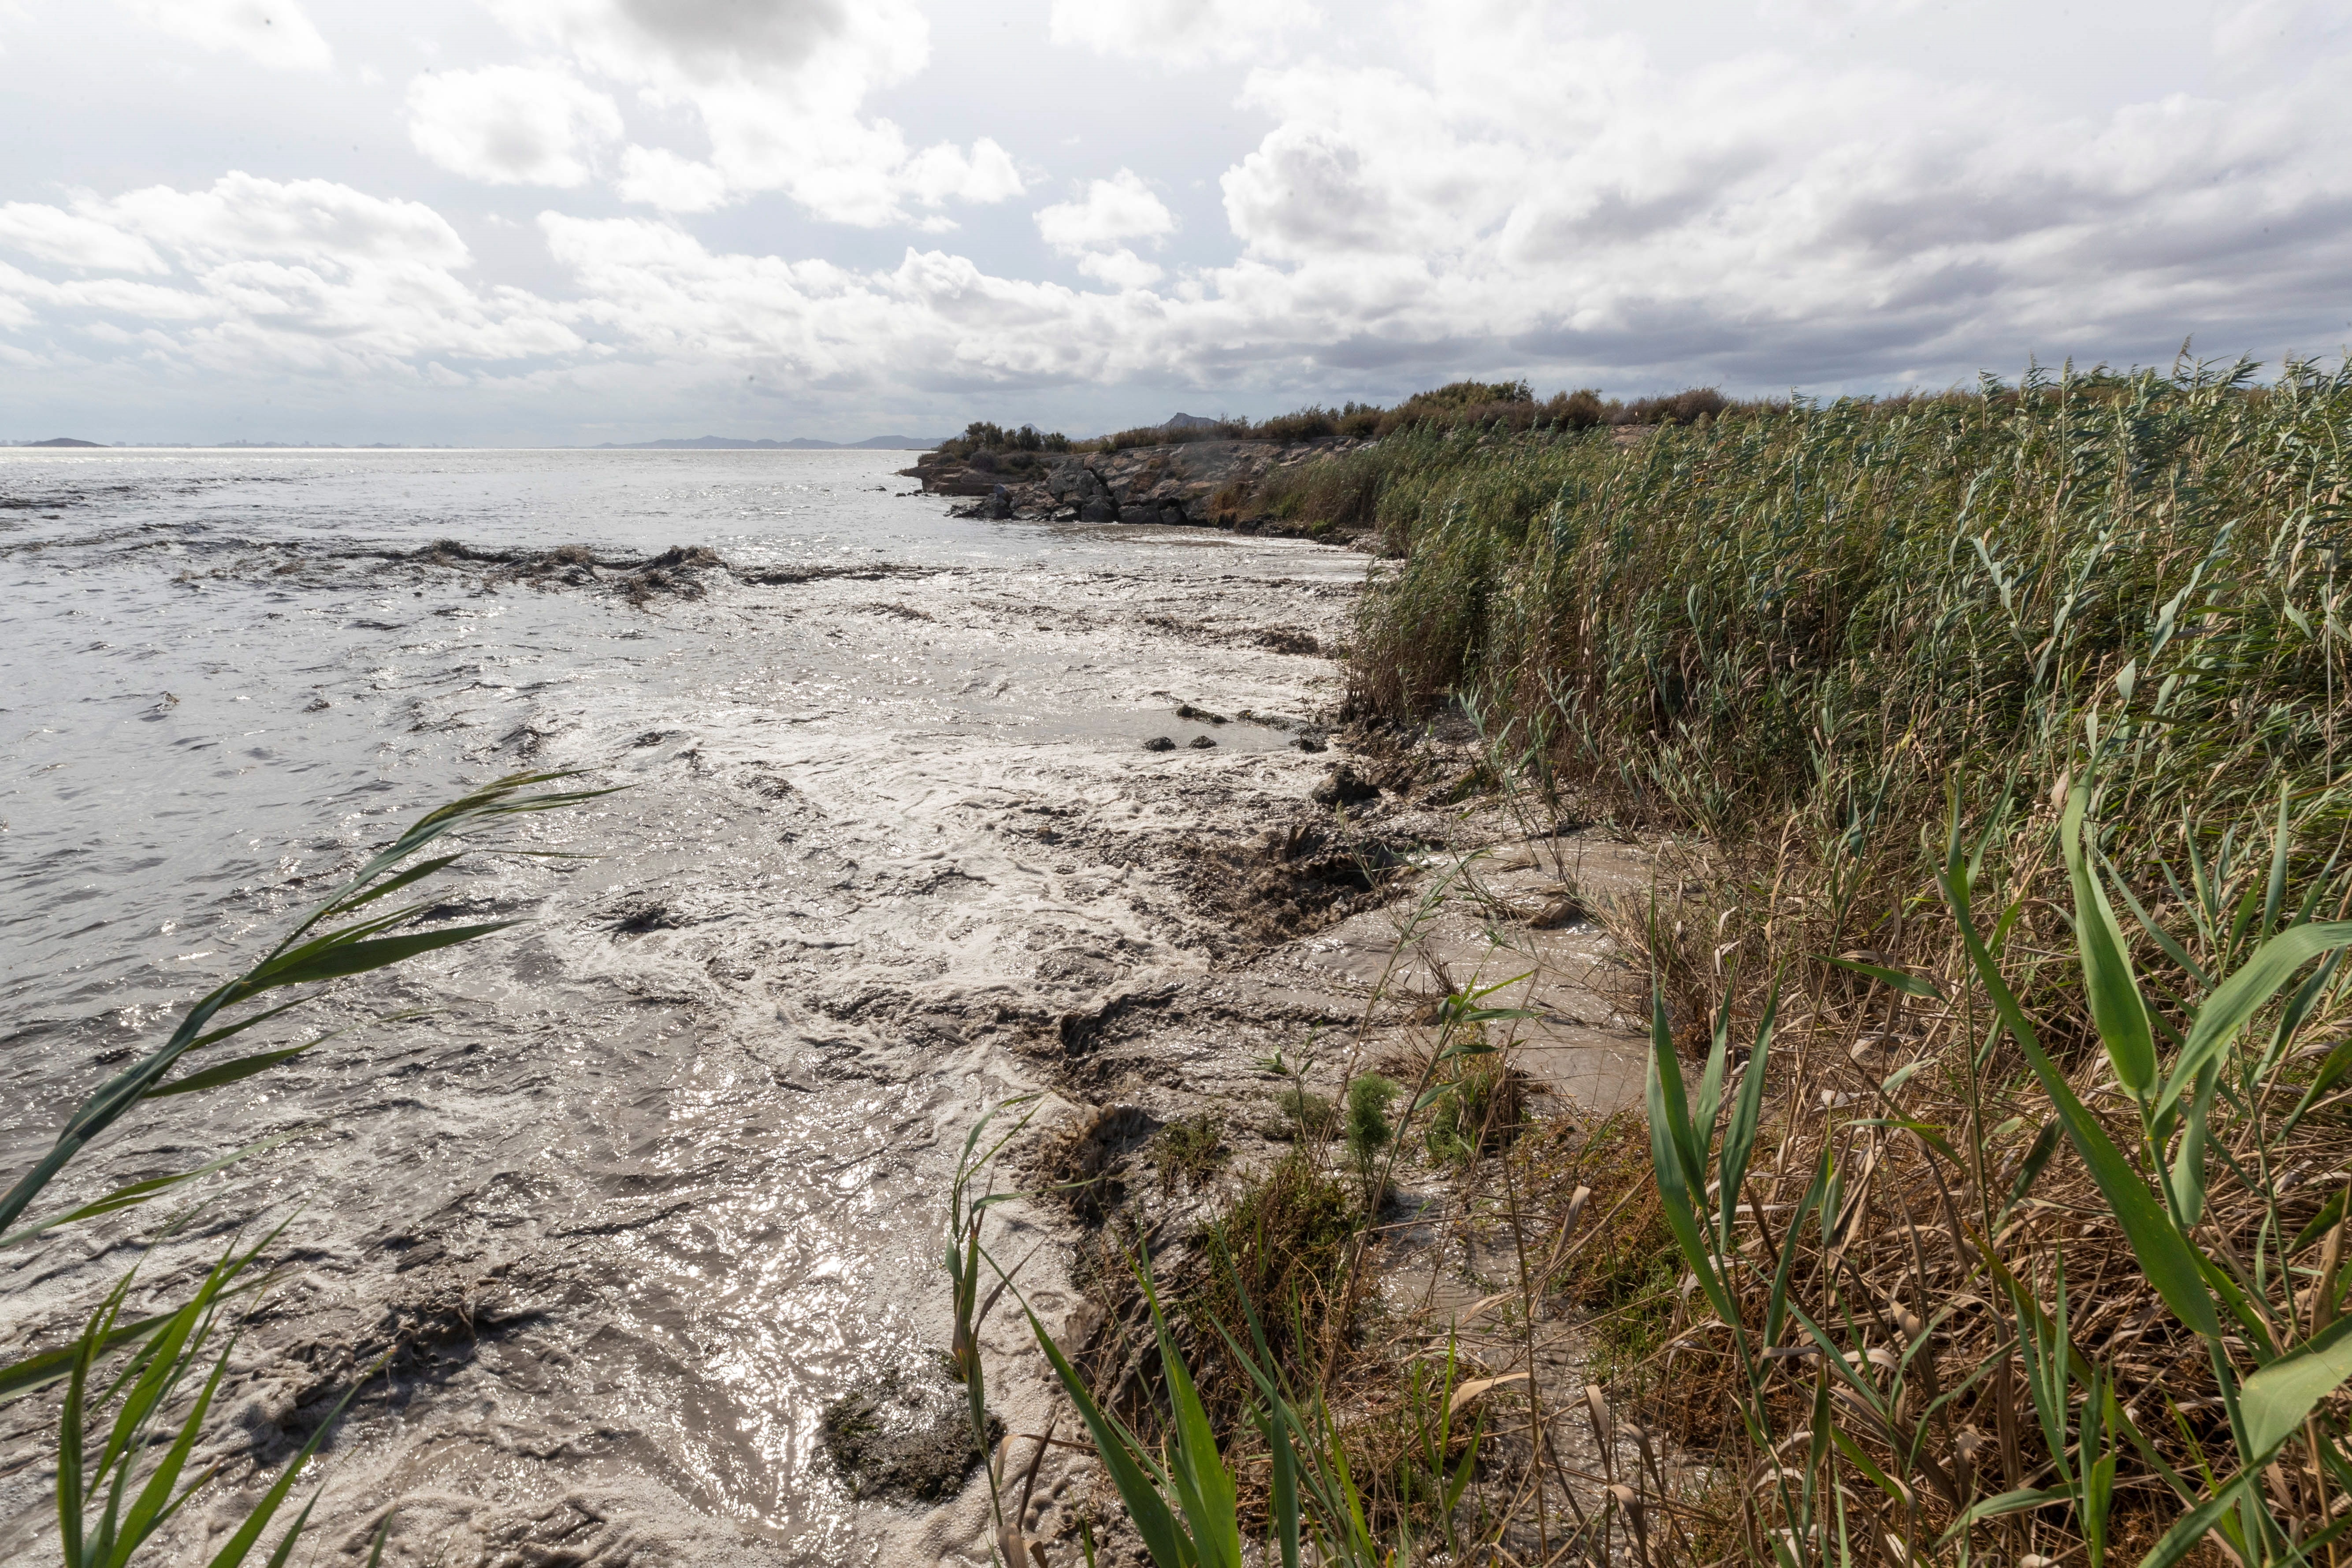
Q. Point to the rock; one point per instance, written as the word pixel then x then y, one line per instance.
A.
pixel 1345 786
pixel 1217 483
pixel 1310 742
pixel 907 1434
pixel 1548 912
pixel 1186 711
pixel 1203 742
pixel 999 503
pixel 1160 743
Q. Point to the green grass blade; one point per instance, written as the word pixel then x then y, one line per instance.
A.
pixel 130 1197
pixel 155 1501
pixel 1282 1500
pixel 1994 1507
pixel 71 1440
pixel 224 1073
pixel 2165 1256
pixel 2116 1003
pixel 2193 1527
pixel 1746 1117
pixel 2320 1224
pixel 39 1371
pixel 344 958
pixel 1204 1488
pixel 2275 1399
pixel 1669 1134
pixel 415 873
pixel 241 1543
pixel 2274 891
pixel 1146 1507
pixel 2241 996
pixel 294 1532
pixel 1673 1144
pixel 1909 985
pixel 1710 1088
pixel 2162 938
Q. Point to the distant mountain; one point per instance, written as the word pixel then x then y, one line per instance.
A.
pixel 1185 422
pixel 797 444
pixel 64 441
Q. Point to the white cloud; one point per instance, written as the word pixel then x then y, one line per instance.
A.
pixel 1120 208
pixel 1566 199
pixel 275 33
pixel 263 274
pixel 935 320
pixel 1179 32
pixel 74 239
pixel 946 172
pixel 659 178
pixel 1505 190
pixel 1121 268
pixel 510 125
pixel 780 87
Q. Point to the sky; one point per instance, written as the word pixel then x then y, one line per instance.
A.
pixel 560 221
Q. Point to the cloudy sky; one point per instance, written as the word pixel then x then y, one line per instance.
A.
pixel 558 221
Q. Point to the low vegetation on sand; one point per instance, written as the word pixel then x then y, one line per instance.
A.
pixel 1997 1140
pixel 1507 405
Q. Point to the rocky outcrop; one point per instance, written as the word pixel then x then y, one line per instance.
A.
pixel 1201 484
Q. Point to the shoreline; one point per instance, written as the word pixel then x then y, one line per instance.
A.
pixel 860 885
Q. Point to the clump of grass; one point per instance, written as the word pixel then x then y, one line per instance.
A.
pixel 1190 1149
pixel 1480 1106
pixel 1992 742
pixel 1282 1244
pixel 1479 407
pixel 1369 1130
pixel 1835 607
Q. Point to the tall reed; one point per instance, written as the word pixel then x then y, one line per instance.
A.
pixel 2099 620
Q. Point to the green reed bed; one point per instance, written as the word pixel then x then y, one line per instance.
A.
pixel 1991 745
pixel 1843 603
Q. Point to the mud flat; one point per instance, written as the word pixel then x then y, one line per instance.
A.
pixel 647 1212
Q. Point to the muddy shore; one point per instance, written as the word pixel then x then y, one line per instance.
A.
pixel 659 1186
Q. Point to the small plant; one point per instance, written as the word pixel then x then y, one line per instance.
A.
pixel 1191 1147
pixel 1369 1095
pixel 1479 1111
